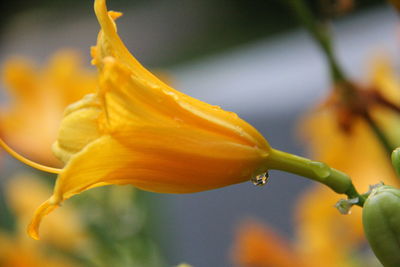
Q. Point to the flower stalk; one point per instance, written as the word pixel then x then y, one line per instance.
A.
pixel 379 134
pixel 317 171
pixel 320 33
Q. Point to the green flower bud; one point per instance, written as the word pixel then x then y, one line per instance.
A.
pixel 381 220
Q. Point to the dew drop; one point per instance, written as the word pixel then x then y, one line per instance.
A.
pixel 320 169
pixel 261 179
pixel 344 205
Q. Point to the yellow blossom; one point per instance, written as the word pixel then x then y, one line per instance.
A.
pixel 24 192
pixel 357 152
pixel 257 245
pixel 323 234
pixel 63 232
pixel 43 94
pixel 18 253
pixel 137 130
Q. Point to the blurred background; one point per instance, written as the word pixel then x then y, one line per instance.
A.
pixel 250 57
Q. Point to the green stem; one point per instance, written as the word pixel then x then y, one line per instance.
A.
pixel 314 170
pixel 380 135
pixel 320 34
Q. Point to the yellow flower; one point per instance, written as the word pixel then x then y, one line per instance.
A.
pixel 23 193
pixel 41 94
pixel 17 253
pixel 63 232
pixel 257 245
pixel 356 152
pixel 324 237
pixel 137 130
pixel 324 234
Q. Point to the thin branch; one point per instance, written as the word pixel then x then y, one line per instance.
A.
pixel 380 135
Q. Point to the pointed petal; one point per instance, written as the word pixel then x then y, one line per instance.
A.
pixel 110 44
pixel 133 100
pixel 167 160
pixel 44 209
pixel 79 127
pixel 111 51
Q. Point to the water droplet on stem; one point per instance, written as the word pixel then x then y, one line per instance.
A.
pixel 320 169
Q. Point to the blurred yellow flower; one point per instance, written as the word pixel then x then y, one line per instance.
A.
pixel 324 237
pixel 43 94
pixel 323 234
pixel 16 253
pixel 256 245
pixel 63 232
pixel 357 151
pixel 137 130
pixel 24 192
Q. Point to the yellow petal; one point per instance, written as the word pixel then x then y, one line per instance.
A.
pixel 130 101
pixel 17 252
pixel 80 126
pixel 324 236
pixel 152 158
pixel 110 44
pixel 111 51
pixel 24 192
pixel 385 79
pixel 357 153
pixel 258 245
pixel 137 130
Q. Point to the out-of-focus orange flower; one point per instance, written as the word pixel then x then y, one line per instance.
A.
pixel 356 152
pixel 137 130
pixel 38 98
pixel 24 192
pixel 387 82
pixel 17 253
pixel 324 237
pixel 256 245
pixel 323 234
pixel 63 232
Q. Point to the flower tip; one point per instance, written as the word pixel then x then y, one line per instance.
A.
pixel 100 7
pixel 44 209
pixel 33 231
pixel 93 53
pixel 114 14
